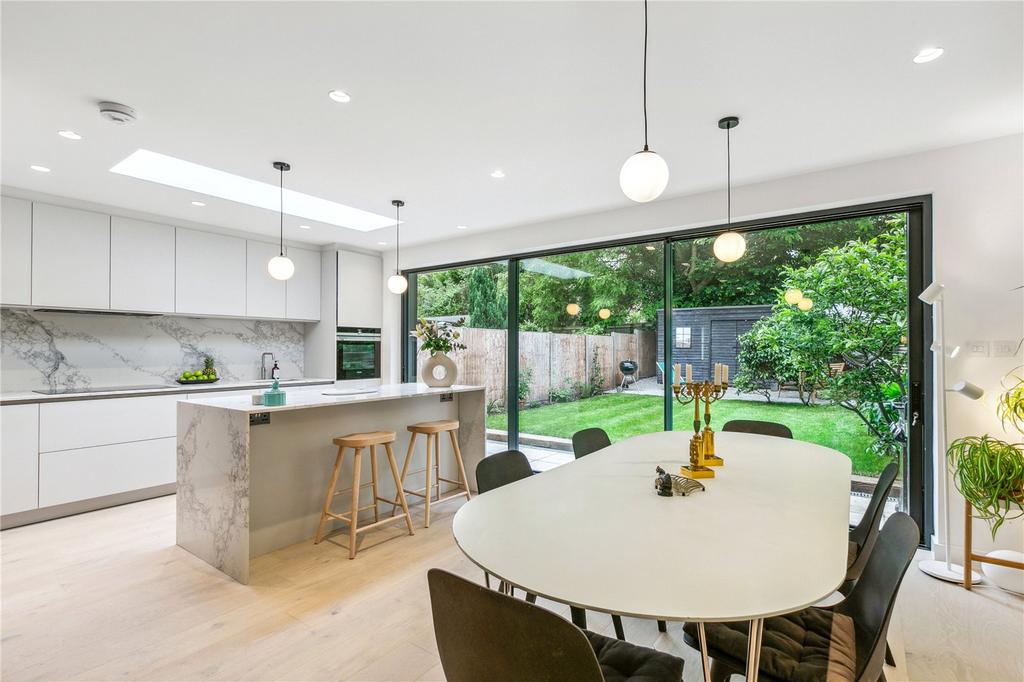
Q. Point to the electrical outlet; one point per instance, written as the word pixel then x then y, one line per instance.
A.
pixel 447 397
pixel 257 418
pixel 1003 349
pixel 976 349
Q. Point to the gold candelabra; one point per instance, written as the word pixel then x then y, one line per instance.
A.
pixel 702 445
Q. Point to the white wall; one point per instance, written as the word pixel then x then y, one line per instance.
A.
pixel 978 225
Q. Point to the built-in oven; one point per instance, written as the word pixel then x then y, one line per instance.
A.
pixel 358 353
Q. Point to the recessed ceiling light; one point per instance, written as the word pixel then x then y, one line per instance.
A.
pixel 69 134
pixel 928 54
pixel 382 243
pixel 340 96
pixel 303 227
pixel 40 169
pixel 462 227
pixel 497 173
pixel 198 203
pixel 167 170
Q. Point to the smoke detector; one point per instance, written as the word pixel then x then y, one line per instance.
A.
pixel 121 114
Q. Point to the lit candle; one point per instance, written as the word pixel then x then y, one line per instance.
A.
pixel 689 373
pixel 679 374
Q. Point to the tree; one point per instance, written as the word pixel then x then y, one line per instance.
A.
pixel 487 308
pixel 859 318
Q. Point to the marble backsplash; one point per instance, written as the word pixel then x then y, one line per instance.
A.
pixel 71 350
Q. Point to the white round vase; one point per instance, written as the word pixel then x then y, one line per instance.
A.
pixel 1010 579
pixel 439 370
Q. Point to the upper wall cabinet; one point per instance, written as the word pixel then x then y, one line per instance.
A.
pixel 15 251
pixel 304 286
pixel 359 290
pixel 264 295
pixel 70 258
pixel 209 274
pixel 141 266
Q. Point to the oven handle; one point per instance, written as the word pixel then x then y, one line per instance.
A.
pixel 359 337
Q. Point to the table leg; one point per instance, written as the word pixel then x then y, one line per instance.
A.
pixel 704 651
pixel 754 649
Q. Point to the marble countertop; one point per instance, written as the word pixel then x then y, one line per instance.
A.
pixel 25 397
pixel 306 397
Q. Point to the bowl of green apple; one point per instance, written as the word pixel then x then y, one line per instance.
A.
pixel 206 375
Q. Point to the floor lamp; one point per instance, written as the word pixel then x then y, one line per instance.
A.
pixel 944 570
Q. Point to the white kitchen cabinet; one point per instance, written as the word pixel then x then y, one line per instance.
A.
pixel 264 295
pixel 19 449
pixel 70 258
pixel 82 474
pixel 209 274
pixel 303 289
pixel 360 290
pixel 71 424
pixel 15 251
pixel 141 266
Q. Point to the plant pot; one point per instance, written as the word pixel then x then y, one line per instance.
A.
pixel 439 371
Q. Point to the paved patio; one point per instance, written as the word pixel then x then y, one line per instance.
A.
pixel 650 386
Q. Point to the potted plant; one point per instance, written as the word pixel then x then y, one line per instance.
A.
pixel 440 338
pixel 989 472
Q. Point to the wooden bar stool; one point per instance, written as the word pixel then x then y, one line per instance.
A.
pixel 433 431
pixel 357 442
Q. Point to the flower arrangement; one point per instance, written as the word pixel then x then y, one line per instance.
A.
pixel 439 337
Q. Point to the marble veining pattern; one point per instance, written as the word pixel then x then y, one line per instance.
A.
pixel 213 487
pixel 69 350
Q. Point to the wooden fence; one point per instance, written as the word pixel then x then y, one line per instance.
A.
pixel 554 361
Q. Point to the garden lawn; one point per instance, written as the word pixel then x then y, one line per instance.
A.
pixel 623 416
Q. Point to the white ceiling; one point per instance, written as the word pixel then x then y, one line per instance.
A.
pixel 443 93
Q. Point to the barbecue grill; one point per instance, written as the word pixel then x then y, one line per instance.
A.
pixel 628 370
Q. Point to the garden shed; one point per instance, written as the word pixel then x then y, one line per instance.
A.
pixel 704 336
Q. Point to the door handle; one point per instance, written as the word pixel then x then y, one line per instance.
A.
pixel 916 403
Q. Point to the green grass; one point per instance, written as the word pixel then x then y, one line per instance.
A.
pixel 623 416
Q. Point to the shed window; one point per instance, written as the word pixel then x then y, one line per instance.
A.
pixel 682 337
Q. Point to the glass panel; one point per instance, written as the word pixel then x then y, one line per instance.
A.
pixel 588 353
pixel 834 373
pixel 475 297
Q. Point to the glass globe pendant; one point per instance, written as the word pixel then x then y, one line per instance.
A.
pixel 644 175
pixel 729 246
pixel 281 267
pixel 793 296
pixel 397 283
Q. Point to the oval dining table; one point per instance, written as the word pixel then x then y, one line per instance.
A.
pixel 767 536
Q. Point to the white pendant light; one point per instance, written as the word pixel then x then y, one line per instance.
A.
pixel 644 175
pixel 397 283
pixel 281 266
pixel 729 246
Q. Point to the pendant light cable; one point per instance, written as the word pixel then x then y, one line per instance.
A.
pixel 281 205
pixel 728 176
pixel 398 204
pixel 646 148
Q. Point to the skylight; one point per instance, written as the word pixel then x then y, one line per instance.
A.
pixel 167 170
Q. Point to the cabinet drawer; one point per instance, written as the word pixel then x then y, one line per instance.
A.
pixel 71 475
pixel 19 450
pixel 87 423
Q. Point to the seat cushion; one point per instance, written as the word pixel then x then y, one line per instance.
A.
pixel 806 646
pixel 852 550
pixel 622 661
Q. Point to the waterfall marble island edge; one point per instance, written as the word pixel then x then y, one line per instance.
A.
pixel 247 488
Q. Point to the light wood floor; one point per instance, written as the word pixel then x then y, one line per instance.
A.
pixel 108 596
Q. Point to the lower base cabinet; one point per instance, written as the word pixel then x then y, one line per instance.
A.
pixel 19 450
pixel 71 475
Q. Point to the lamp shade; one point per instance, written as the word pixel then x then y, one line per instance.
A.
pixel 397 284
pixel 281 267
pixel 644 176
pixel 793 296
pixel 729 246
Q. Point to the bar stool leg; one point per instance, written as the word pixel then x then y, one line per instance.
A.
pixel 405 467
pixel 356 481
pixel 462 467
pixel 398 484
pixel 437 467
pixel 373 480
pixel 330 495
pixel 426 490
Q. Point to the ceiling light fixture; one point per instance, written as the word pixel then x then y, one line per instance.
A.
pixel 497 173
pixel 382 243
pixel 198 203
pixel 40 169
pixel 462 227
pixel 69 134
pixel 928 54
pixel 644 175
pixel 340 96
pixel 281 266
pixel 397 283
pixel 729 246
pixel 193 177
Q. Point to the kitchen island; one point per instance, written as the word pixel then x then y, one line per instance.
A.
pixel 252 479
